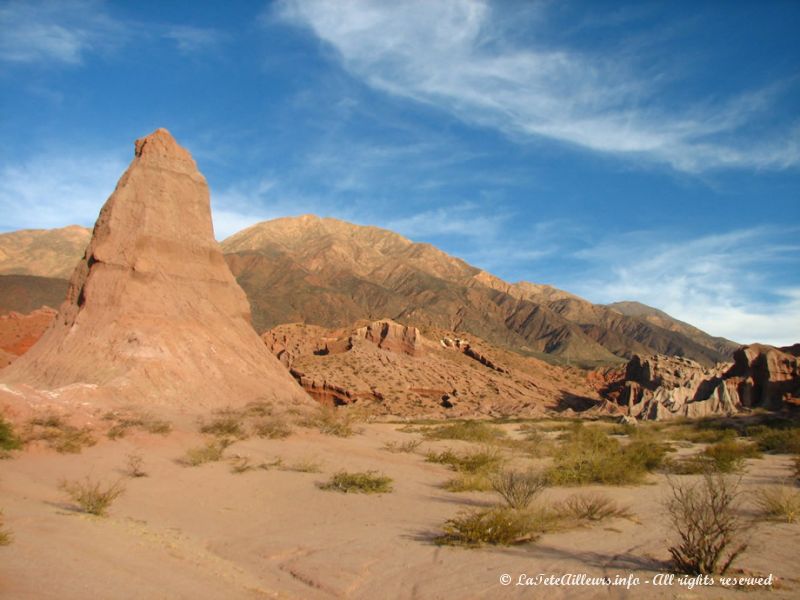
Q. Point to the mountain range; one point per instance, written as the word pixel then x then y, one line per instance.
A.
pixel 330 273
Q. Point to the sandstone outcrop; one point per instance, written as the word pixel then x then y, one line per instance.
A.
pixel 153 314
pixel 396 370
pixel 662 387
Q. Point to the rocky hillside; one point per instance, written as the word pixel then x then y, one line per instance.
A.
pixel 43 252
pixel 331 273
pixel 397 370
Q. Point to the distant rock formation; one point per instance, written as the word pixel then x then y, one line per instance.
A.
pixel 19 332
pixel 396 370
pixel 153 314
pixel 663 387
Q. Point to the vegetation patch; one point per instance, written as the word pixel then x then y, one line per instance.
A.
pixel 398 447
pixel 305 465
pixel 776 440
pixel 728 456
pixel 93 497
pixel 8 439
pixel 58 434
pixel 227 425
pixel 124 422
pixel 593 508
pixel 272 428
pixel 468 431
pixel 518 488
pixel 500 525
pixel 5 534
pixel 331 421
pixel 211 451
pixel 779 503
pixel 588 455
pixel 704 517
pixel 367 482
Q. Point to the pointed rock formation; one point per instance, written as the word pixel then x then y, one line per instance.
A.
pixel 152 310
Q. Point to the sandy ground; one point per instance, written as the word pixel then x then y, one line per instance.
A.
pixel 205 532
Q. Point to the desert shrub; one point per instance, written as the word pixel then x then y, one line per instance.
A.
pixel 212 451
pixel 125 421
pixel 367 482
pixel 305 465
pixel 699 435
pixel 728 455
pixel 646 452
pixel 588 455
pixel 5 534
pixel 272 428
pixel 397 447
pixel 258 408
pixel 482 460
pixel 241 464
pixel 593 507
pixel 92 496
pixel 518 488
pixel 468 431
pixel 228 425
pixel 704 517
pixel 135 466
pixel 503 526
pixel 468 482
pixel 58 435
pixel 776 441
pixel 796 467
pixel 691 465
pixel 779 503
pixel 8 439
pixel 331 421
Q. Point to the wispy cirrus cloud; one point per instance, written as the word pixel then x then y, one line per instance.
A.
pixel 57 189
pixel 738 284
pixel 56 32
pixel 65 32
pixel 462 56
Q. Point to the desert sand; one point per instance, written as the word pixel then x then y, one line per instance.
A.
pixel 207 532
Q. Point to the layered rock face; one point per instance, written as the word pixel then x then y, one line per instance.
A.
pixel 663 387
pixel 152 310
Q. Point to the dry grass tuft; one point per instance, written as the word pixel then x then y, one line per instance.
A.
pixel 502 526
pixel 58 434
pixel 593 508
pixel 212 451
pixel 397 447
pixel 93 497
pixel 5 535
pixel 135 466
pixel 779 503
pixel 367 482
pixel 518 488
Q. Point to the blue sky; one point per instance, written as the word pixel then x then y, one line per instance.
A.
pixel 639 151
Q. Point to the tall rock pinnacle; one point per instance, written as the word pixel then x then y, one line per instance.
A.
pixel 152 310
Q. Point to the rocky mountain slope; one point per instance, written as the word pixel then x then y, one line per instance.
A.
pixel 152 313
pixel 43 252
pixel 397 370
pixel 331 273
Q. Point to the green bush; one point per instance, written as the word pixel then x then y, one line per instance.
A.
pixel 368 482
pixel 776 441
pixel 501 526
pixel 588 455
pixel 728 455
pixel 468 431
pixel 8 439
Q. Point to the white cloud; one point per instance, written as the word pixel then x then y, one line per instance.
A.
pixel 718 283
pixel 55 32
pixel 456 55
pixel 57 189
